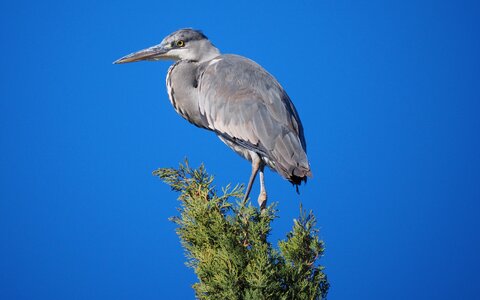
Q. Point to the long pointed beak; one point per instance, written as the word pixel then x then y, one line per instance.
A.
pixel 153 53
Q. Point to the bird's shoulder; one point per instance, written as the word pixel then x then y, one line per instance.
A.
pixel 236 70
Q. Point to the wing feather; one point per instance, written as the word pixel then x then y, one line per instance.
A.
pixel 246 105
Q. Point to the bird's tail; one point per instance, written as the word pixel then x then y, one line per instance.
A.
pixel 290 159
pixel 299 175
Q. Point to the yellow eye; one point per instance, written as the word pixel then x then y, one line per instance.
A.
pixel 180 43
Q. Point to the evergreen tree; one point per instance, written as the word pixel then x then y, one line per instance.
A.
pixel 226 243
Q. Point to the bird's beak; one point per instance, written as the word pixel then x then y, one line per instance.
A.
pixel 157 52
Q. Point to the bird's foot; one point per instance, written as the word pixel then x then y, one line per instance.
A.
pixel 262 200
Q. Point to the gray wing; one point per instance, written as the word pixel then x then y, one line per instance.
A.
pixel 246 105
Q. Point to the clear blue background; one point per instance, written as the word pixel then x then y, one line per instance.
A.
pixel 388 94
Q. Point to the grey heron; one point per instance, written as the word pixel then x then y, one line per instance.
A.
pixel 238 100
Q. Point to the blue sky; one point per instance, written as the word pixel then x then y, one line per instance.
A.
pixel 388 94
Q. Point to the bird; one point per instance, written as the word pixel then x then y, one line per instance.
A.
pixel 237 99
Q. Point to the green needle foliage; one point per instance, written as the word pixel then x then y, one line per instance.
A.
pixel 226 243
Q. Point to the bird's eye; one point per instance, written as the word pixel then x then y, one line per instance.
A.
pixel 180 43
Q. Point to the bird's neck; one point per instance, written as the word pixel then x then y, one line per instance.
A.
pixel 183 93
pixel 209 54
pixel 203 51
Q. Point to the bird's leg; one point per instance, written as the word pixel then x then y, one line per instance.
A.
pixel 256 162
pixel 262 198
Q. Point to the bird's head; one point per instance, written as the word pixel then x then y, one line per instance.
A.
pixel 183 44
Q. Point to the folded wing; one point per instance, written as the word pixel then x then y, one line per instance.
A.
pixel 246 106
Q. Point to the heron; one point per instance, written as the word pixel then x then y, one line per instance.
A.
pixel 237 99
